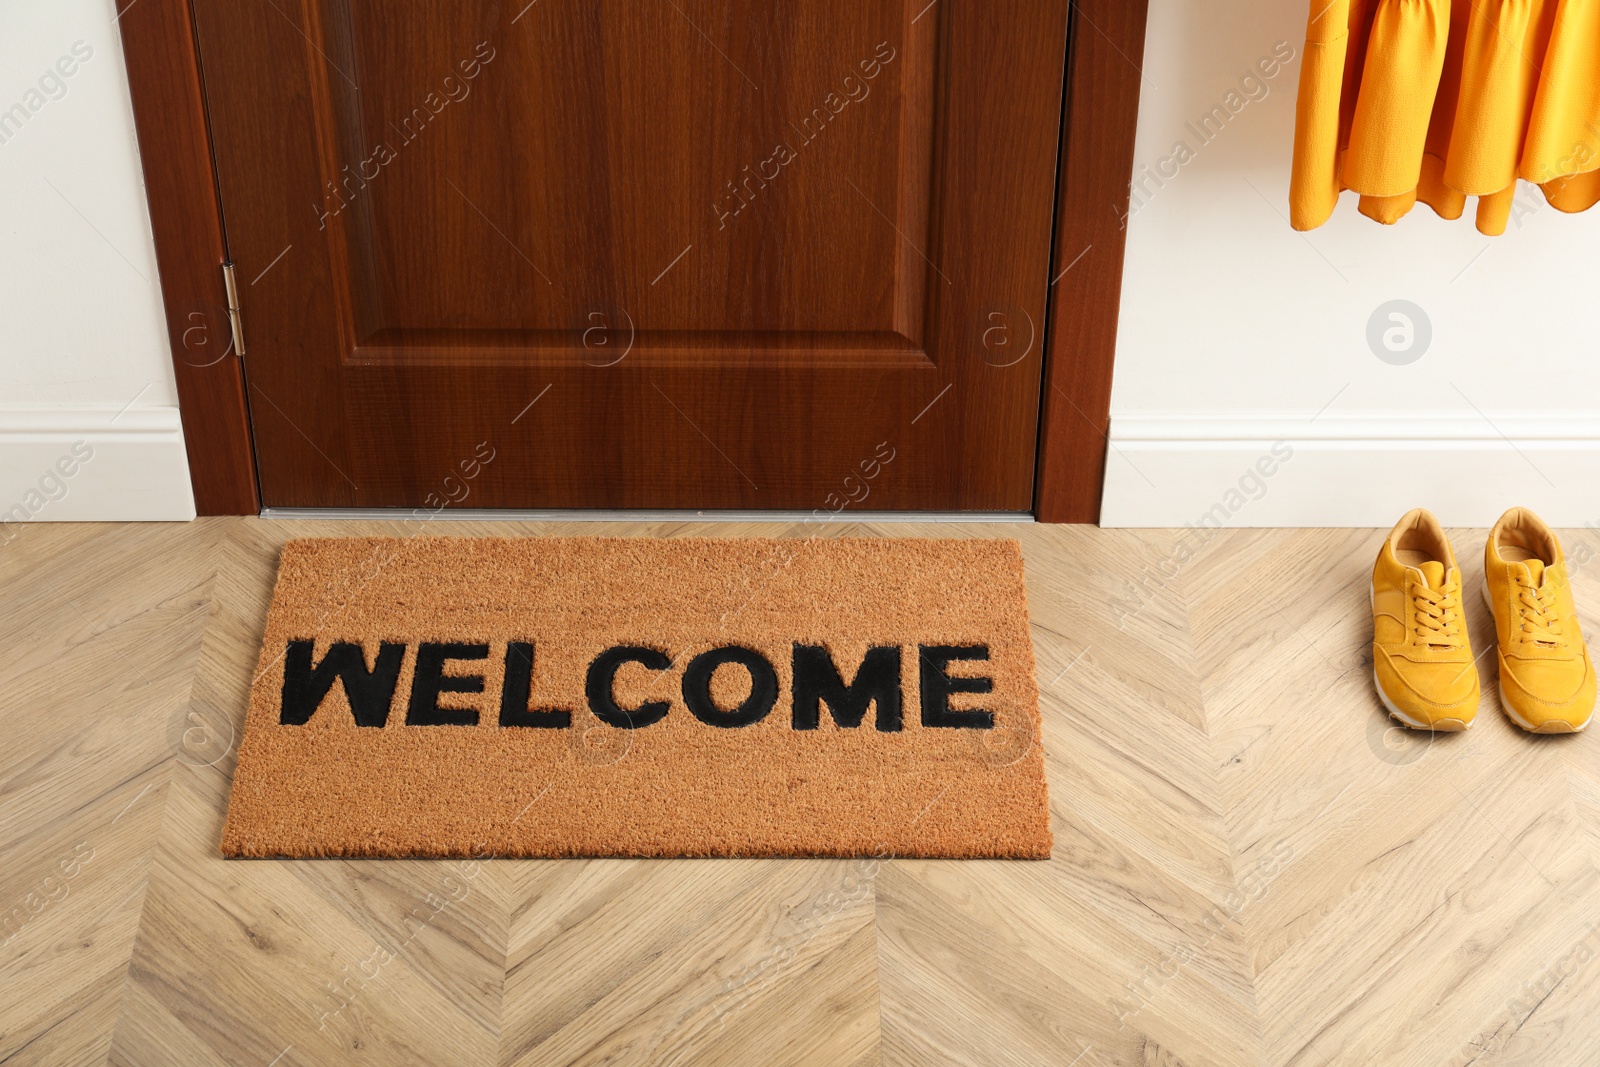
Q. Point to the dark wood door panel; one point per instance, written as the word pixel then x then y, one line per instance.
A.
pixel 735 250
pixel 545 187
pixel 676 436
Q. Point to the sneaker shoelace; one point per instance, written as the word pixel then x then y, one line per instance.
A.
pixel 1541 621
pixel 1437 618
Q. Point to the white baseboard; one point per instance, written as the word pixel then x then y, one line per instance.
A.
pixel 1161 471
pixel 92 464
pixel 1349 470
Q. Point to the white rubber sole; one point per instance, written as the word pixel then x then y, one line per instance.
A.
pixel 1555 726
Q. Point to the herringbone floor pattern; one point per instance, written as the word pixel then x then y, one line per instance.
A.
pixel 1250 868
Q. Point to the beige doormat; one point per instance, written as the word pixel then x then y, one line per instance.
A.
pixel 628 697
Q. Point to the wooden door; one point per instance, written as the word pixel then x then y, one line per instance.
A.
pixel 640 253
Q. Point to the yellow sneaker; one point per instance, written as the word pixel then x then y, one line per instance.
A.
pixel 1422 659
pixel 1546 680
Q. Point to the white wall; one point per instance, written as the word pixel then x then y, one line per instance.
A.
pixel 84 362
pixel 1236 331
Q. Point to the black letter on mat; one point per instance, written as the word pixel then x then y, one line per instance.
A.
pixel 697 686
pixel 514 710
pixel 937 686
pixel 430 680
pixel 816 679
pixel 604 670
pixel 369 692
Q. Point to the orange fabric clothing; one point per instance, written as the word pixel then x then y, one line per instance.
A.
pixel 1439 100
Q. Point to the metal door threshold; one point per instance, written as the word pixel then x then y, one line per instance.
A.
pixel 605 515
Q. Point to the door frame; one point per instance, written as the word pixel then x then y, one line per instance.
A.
pixel 1100 107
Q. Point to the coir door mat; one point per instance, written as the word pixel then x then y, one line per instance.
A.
pixel 621 697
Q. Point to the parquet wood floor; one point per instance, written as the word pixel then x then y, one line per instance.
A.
pixel 1251 867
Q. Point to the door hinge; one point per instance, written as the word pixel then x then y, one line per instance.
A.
pixel 235 323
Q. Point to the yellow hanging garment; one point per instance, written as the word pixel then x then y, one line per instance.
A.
pixel 1434 100
pixel 1562 152
pixel 1330 77
pixel 1405 53
pixel 1506 42
pixel 1431 186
